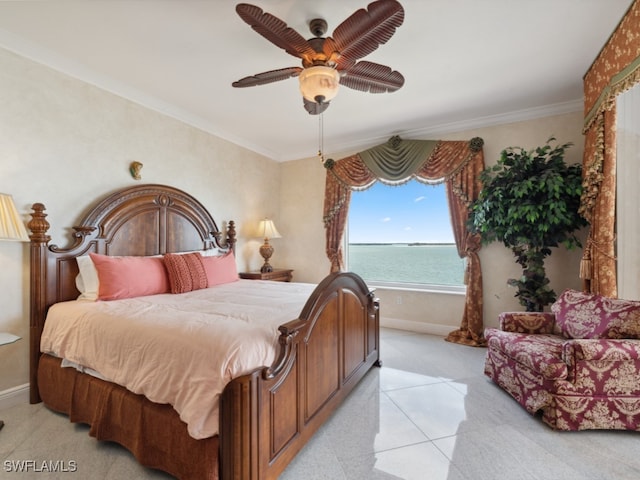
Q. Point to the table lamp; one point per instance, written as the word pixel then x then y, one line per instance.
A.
pixel 267 230
pixel 11 228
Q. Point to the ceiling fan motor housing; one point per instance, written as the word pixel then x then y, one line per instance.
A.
pixel 318 27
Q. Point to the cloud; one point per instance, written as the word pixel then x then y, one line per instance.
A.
pixel 385 219
pixel 407 229
pixel 419 199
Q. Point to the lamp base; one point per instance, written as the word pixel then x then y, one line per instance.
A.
pixel 266 250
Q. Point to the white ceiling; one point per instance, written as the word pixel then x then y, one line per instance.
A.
pixel 466 63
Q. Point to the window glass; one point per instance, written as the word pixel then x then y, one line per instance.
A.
pixel 403 234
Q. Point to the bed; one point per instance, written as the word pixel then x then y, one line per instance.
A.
pixel 265 415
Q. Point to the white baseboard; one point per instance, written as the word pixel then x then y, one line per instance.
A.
pixel 14 396
pixel 417 327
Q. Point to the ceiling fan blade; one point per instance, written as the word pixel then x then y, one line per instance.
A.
pixel 315 108
pixel 372 77
pixel 268 77
pixel 363 32
pixel 276 31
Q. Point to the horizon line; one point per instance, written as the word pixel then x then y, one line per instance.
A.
pixel 401 243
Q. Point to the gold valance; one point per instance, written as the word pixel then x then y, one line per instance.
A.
pixel 615 70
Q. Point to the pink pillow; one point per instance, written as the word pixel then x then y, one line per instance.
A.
pixel 186 272
pixel 589 315
pixel 128 277
pixel 220 269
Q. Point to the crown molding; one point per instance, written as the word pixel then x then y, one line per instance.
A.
pixel 534 113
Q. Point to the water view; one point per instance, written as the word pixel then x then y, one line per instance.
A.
pixel 407 262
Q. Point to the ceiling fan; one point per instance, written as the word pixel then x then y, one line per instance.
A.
pixel 328 62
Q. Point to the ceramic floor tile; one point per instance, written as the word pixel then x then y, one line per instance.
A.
pixel 21 423
pixel 394 333
pixel 369 421
pixel 446 445
pixel 424 355
pixel 416 462
pixel 507 453
pixel 618 450
pixel 393 379
pixel 125 466
pixel 316 461
pixel 438 410
pixel 487 405
pixel 362 428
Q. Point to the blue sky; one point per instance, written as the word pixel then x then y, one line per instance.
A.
pixel 412 212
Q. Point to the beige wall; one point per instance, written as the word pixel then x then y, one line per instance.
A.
pixel 65 143
pixel 302 198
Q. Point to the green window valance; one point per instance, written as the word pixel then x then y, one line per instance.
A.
pixel 397 160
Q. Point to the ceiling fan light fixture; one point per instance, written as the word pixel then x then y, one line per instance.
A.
pixel 319 84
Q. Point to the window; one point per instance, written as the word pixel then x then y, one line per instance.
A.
pixel 403 235
pixel 628 172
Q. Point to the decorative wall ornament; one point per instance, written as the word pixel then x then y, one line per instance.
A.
pixel 329 163
pixel 134 169
pixel 476 144
pixel 394 141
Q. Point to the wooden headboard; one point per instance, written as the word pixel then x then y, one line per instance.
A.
pixel 141 220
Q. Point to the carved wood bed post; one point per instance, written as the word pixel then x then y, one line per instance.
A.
pixel 231 236
pixel 38 226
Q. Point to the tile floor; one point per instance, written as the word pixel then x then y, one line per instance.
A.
pixel 427 414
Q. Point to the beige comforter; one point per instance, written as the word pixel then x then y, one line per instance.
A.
pixel 178 349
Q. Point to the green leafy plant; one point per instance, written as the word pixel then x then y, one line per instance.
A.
pixel 529 201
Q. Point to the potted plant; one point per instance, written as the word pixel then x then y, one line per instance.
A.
pixel 529 201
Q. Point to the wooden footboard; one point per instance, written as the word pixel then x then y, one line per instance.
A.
pixel 268 415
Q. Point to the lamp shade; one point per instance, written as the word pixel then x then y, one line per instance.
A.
pixel 267 229
pixel 319 84
pixel 11 226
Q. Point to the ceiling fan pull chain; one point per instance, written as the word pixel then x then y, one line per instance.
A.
pixel 321 137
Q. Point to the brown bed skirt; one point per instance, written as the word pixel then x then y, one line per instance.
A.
pixel 152 432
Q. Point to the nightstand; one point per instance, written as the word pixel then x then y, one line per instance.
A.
pixel 278 275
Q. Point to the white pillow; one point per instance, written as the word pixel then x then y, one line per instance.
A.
pixel 212 252
pixel 87 281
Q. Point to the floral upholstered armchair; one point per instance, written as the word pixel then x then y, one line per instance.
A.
pixel 579 364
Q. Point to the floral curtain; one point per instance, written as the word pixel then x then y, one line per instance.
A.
pixel 615 70
pixel 457 164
